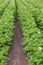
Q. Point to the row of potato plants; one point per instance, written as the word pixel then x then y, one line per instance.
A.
pixel 6 29
pixel 36 8
pixel 32 39
pixel 3 5
pixel 38 14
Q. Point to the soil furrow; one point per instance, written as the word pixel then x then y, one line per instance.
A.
pixel 16 55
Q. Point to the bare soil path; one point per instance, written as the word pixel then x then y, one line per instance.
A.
pixel 16 55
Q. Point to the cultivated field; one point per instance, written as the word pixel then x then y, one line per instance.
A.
pixel 21 31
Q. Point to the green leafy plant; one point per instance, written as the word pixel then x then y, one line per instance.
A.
pixel 6 29
pixel 32 40
pixel 30 14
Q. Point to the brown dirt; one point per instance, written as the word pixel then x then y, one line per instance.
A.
pixel 16 55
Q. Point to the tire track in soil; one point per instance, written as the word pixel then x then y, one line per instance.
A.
pixel 16 55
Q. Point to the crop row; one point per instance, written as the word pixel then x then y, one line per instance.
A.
pixel 6 30
pixel 3 5
pixel 32 40
pixel 36 8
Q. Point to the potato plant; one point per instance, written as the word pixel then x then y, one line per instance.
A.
pixel 30 15
pixel 36 9
pixel 3 5
pixel 32 40
pixel 6 30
